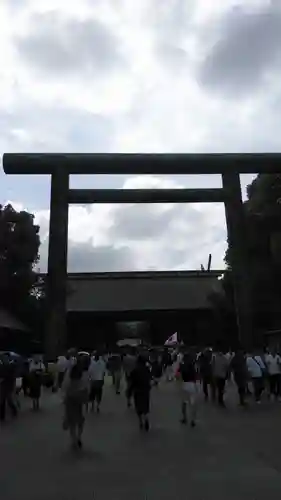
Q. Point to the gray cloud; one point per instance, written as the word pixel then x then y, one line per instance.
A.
pixel 58 45
pixel 83 257
pixel 32 128
pixel 15 4
pixel 172 19
pixel 248 47
pixel 54 128
pixel 184 242
pixel 172 56
pixel 143 221
pixel 171 24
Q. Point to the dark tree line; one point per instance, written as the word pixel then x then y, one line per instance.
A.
pixel 263 224
pixel 21 291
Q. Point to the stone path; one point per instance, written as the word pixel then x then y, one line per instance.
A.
pixel 232 454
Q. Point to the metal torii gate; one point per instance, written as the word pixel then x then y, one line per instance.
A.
pixel 60 166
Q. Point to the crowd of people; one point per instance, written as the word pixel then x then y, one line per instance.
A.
pixel 79 378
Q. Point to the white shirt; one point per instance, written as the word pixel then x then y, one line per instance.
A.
pixel 255 366
pixel 62 364
pixel 97 369
pixel 273 364
pixel 179 358
pixel 36 365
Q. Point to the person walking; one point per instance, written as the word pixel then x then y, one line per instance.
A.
pixel 220 370
pixel 206 375
pixel 167 364
pixel 256 369
pixel 96 373
pixel 7 387
pixel 238 367
pixel 75 389
pixel 116 371
pixel 273 364
pixel 187 373
pixel 129 363
pixel 156 367
pixel 141 386
pixel 36 370
pixel 61 368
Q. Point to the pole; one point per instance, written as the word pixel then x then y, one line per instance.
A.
pixel 55 336
pixel 239 258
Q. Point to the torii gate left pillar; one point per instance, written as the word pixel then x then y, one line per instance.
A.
pixel 56 331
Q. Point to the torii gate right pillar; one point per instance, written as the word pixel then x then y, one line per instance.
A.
pixel 239 257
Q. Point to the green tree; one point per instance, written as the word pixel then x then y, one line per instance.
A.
pixel 19 254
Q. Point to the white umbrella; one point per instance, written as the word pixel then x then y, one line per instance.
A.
pixel 130 342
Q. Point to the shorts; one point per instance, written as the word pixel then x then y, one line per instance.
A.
pixel 189 392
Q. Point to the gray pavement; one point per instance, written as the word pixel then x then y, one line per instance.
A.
pixel 231 454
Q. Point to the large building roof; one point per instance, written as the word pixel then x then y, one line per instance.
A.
pixel 140 291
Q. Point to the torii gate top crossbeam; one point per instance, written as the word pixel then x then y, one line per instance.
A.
pixel 130 164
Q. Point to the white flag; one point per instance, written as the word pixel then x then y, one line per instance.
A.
pixel 172 340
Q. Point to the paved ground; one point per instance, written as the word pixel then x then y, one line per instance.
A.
pixel 232 454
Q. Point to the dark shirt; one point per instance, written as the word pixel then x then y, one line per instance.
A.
pixel 115 362
pixel 188 371
pixel 8 376
pixel 205 364
pixel 239 366
pixel 141 378
pixel 167 359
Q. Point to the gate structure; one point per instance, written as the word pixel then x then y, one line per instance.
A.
pixel 60 166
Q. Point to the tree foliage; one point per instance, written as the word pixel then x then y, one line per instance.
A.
pixel 19 253
pixel 263 227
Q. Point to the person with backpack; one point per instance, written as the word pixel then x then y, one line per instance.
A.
pixel 76 394
pixel 187 376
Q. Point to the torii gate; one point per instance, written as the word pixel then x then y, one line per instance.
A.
pixel 60 166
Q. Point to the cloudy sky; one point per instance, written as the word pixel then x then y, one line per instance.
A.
pixel 137 76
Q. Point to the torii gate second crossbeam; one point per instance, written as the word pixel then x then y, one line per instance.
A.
pixel 60 166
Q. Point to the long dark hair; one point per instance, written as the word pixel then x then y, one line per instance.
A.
pixel 76 372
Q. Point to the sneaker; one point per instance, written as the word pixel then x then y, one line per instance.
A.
pixel 146 425
pixel 192 423
pixel 183 421
pixel 79 444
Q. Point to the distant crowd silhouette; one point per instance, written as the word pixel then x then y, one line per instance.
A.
pixel 80 377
